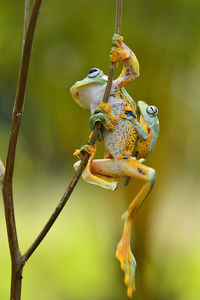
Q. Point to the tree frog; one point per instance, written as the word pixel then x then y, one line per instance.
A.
pixel 129 133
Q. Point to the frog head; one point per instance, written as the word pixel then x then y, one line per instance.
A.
pixel 149 112
pixel 89 91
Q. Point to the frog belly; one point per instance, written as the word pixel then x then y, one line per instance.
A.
pixel 122 139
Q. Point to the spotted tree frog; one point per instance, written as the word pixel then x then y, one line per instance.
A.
pixel 129 132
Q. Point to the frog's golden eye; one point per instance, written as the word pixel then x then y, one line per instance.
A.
pixel 152 110
pixel 94 72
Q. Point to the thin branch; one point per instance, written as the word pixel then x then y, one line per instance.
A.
pixel 16 121
pixel 113 64
pixel 58 209
pixel 85 158
pixel 118 16
pixel 8 177
pixel 26 19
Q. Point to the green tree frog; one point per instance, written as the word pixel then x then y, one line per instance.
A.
pixel 129 133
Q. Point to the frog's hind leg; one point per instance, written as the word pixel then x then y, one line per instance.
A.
pixel 108 182
pixel 133 168
pixel 100 170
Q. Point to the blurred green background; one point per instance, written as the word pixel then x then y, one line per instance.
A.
pixel 77 261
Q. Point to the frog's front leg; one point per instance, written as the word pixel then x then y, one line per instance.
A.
pixel 122 52
pixel 103 114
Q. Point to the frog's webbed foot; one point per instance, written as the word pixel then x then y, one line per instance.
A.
pixel 103 114
pixel 107 182
pixel 90 148
pixel 117 53
pixel 126 258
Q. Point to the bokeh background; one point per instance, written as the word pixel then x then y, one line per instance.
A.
pixel 77 261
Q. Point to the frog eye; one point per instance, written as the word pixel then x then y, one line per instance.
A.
pixel 152 110
pixel 94 72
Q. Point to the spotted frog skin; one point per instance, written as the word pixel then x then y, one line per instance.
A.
pixel 129 132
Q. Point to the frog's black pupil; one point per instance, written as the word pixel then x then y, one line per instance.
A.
pixel 152 110
pixel 93 70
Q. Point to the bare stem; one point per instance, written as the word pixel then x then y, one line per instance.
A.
pixel 85 158
pixel 26 19
pixel 16 258
pixel 57 211
pixel 118 16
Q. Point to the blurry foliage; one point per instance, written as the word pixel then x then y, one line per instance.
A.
pixel 77 260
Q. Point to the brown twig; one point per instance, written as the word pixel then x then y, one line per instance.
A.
pixel 85 158
pixel 26 19
pixel 16 258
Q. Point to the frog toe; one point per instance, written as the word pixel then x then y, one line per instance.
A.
pixel 76 165
pixel 129 280
pixel 103 181
pixel 117 40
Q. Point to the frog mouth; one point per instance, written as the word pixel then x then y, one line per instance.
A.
pixel 74 92
pixel 76 95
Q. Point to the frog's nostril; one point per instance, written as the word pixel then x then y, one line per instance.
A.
pixel 77 94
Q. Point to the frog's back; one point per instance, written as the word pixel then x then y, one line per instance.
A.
pixel 122 139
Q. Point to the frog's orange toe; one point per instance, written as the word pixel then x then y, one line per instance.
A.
pixel 131 158
pixel 120 157
pixel 122 116
pixel 126 279
pixel 114 56
pixel 77 152
pixel 130 291
pixel 120 255
pixel 122 264
pixel 123 254
pixel 127 108
pixel 129 279
pixel 127 153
